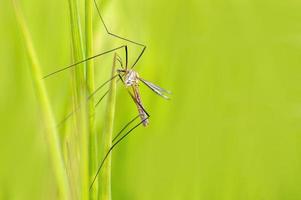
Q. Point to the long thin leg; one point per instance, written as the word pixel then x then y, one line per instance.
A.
pixel 111 148
pixel 129 123
pixel 138 58
pixel 88 98
pixel 103 96
pixel 101 86
pixel 66 118
pixel 120 37
pixel 72 112
pixel 87 59
pixel 93 93
pixel 126 134
pixel 118 58
pixel 138 103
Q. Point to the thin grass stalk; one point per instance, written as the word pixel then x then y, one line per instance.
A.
pixel 46 111
pixel 104 180
pixel 80 99
pixel 91 87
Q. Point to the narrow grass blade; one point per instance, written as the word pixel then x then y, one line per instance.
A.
pixel 105 176
pixel 46 111
pixel 80 100
pixel 91 88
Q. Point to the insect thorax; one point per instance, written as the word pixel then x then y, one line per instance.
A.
pixel 131 78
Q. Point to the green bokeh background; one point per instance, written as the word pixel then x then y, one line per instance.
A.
pixel 232 129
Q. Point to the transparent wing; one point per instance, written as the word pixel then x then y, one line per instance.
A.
pixel 158 90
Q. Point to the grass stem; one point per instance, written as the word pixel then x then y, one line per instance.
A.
pixel 80 98
pixel 105 176
pixel 49 122
pixel 91 87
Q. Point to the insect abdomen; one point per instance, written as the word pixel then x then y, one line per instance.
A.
pixel 143 115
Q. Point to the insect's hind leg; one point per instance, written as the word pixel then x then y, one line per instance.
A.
pixel 114 144
pixel 122 137
pixel 127 125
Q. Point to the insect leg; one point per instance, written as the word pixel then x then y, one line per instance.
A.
pixel 129 123
pixel 87 59
pixel 112 147
pixel 120 37
pixel 89 97
pixel 118 58
pixel 121 138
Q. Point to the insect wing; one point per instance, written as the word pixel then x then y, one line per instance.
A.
pixel 158 90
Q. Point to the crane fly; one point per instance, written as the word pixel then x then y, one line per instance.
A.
pixel 130 79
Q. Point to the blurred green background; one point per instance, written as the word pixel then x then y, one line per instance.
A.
pixel 232 129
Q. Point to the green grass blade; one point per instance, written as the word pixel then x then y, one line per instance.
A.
pixel 91 87
pixel 49 122
pixel 80 99
pixel 105 176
